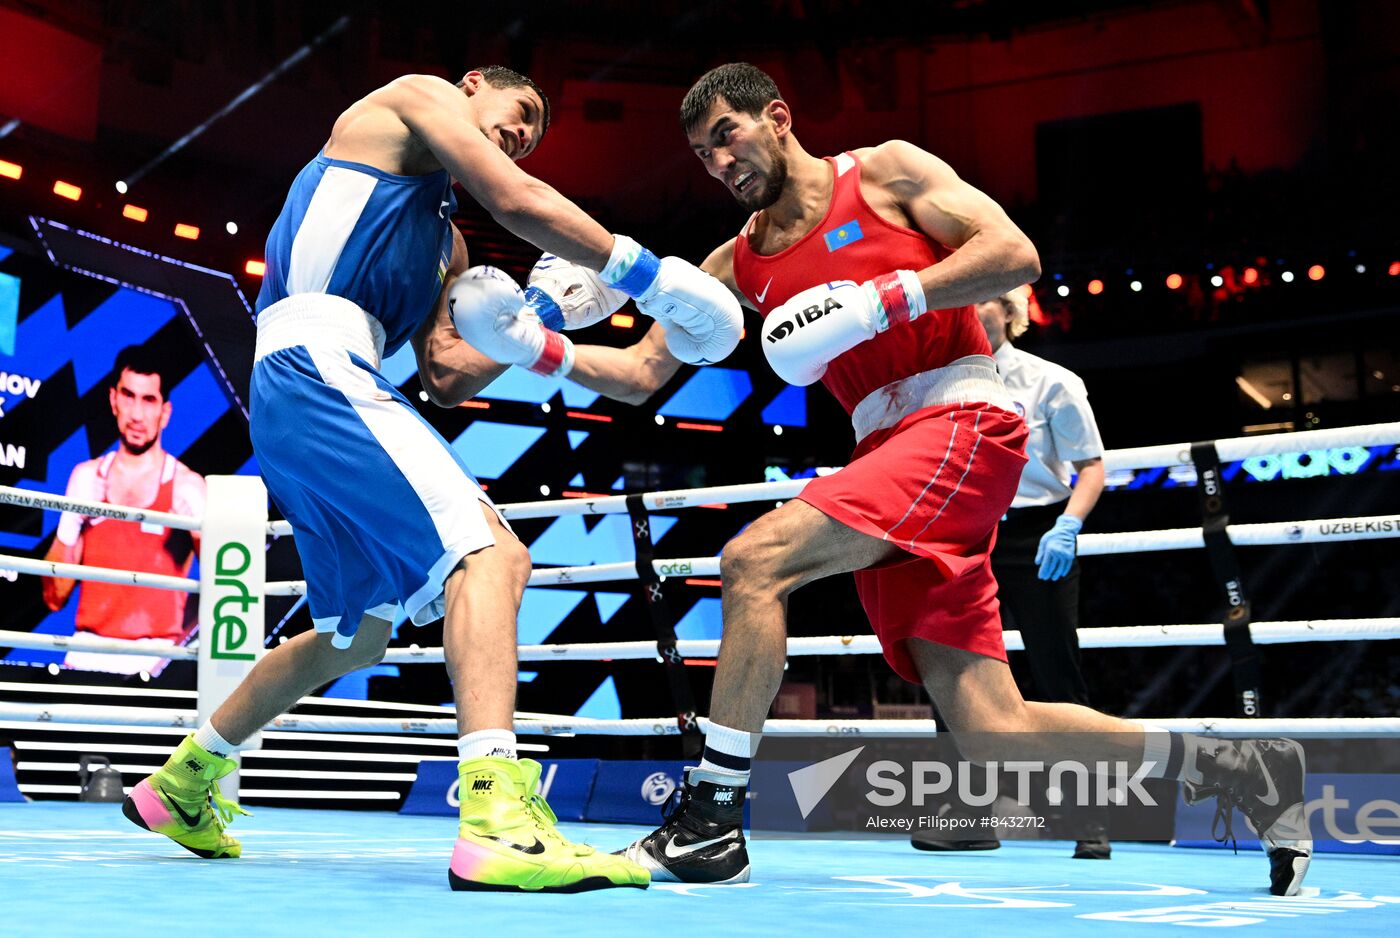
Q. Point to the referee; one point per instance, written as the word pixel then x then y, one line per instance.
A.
pixel 1034 559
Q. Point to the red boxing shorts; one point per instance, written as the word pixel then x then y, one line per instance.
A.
pixel 935 484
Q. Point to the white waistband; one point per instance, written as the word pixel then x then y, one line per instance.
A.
pixel 319 319
pixel 972 378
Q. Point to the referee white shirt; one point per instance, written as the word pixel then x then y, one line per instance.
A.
pixel 1055 405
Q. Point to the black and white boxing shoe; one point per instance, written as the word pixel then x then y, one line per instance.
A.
pixel 702 837
pixel 1264 779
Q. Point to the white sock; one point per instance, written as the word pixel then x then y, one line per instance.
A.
pixel 497 743
pixel 728 753
pixel 209 739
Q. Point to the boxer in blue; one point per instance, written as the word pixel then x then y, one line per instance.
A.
pixel 362 259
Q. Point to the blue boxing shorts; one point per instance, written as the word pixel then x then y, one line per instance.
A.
pixel 382 508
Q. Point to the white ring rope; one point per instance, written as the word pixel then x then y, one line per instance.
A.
pixel 1355 727
pixel 27 499
pixel 1142 457
pixel 1090 545
pixel 1127 636
pixel 78 571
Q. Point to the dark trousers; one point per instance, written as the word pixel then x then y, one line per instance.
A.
pixel 1045 611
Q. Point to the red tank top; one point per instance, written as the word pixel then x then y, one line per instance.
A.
pixel 852 242
pixel 118 611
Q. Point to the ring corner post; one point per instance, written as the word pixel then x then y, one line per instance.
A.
pixel 232 575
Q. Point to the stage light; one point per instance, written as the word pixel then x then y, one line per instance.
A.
pixel 1360 268
pixel 1135 286
pixel 1217 281
pixel 231 227
pixel 660 420
pixel 67 190
pixel 255 268
pixel 183 230
pixel 712 428
pixel 1095 287
pixel 623 320
pixel 544 490
pixel 134 212
pixel 1316 272
pixel 1251 276
pixel 1286 276
pixel 122 187
pixel 1174 281
pixel 11 170
pixel 1062 290
pixel 1394 270
pixel 777 431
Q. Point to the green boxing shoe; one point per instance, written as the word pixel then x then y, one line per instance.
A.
pixel 507 840
pixel 182 801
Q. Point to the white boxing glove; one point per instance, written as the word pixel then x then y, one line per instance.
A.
pixel 490 313
pixel 567 296
pixel 802 336
pixel 702 318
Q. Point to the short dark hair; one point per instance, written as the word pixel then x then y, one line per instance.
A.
pixel 747 89
pixel 498 76
pixel 142 360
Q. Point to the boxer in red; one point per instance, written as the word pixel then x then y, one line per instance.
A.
pixel 865 266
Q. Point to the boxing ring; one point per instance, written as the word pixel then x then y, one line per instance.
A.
pixel 371 872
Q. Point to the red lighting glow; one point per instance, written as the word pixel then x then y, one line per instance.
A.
pixel 1316 272
pixel 67 190
pixel 11 170
pixel 1174 281
pixel 134 212
pixel 1096 287
pixel 567 494
pixel 475 405
pixel 623 320
pixel 255 268
pixel 1394 269
pixel 712 428
pixel 189 232
pixel 1251 276
pixel 696 581
pixel 601 418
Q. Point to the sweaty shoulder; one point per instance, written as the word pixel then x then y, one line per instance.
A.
pixel 375 130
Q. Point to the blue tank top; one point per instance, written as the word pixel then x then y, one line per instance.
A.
pixel 379 240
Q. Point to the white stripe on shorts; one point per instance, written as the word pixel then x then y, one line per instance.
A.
pixel 939 471
pixel 966 469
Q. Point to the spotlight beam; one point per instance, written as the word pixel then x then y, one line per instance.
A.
pixel 287 63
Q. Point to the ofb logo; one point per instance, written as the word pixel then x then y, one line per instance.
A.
pixel 230 631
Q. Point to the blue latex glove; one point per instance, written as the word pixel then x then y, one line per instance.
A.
pixel 1057 546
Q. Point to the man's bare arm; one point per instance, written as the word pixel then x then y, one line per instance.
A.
pixel 57 590
pixel 437 113
pixel 1087 487
pixel 450 369
pixel 633 374
pixel 991 255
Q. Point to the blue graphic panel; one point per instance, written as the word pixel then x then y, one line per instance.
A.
pixel 567 542
pixel 609 604
pixel 9 311
pixel 710 394
pixel 400 366
pixel 788 409
pixel 702 621
pixel 604 704
pixel 517 384
pixel 490 448
pixel 57 469
pixel 619 484
pixel 542 610
pixel 195 404
pixel 576 437
pixel 577 480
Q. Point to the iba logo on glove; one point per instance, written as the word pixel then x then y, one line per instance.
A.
pixel 802 317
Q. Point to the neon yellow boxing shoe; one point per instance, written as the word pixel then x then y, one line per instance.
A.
pixel 507 840
pixel 182 801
